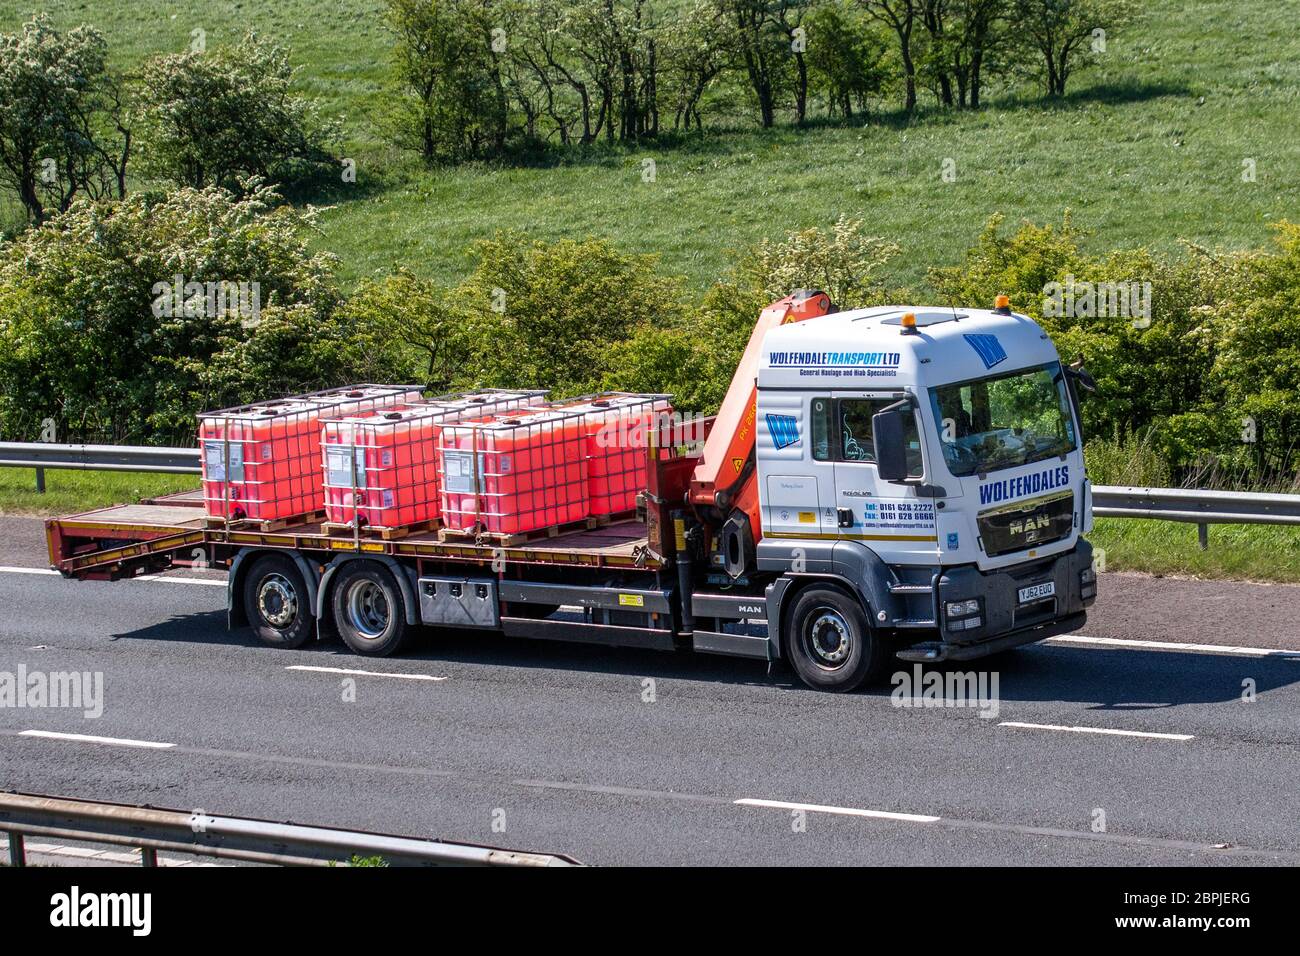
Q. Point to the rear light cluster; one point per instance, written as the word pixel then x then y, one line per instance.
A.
pixel 964 615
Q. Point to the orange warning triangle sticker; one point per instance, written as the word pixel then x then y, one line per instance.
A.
pixel 738 463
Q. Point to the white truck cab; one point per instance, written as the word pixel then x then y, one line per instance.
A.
pixel 931 458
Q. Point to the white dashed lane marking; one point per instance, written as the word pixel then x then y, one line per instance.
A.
pixel 842 811
pixel 1095 730
pixel 88 739
pixel 358 673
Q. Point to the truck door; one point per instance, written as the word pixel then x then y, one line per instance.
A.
pixel 797 487
pixel 891 519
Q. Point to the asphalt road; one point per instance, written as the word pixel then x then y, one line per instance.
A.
pixel 622 757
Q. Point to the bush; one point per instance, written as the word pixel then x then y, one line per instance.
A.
pixel 216 118
pixel 547 315
pixel 95 337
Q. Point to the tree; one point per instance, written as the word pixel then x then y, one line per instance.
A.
pixel 452 101
pixel 763 52
pixel 1065 32
pixel 216 118
pixel 696 52
pixel 790 15
pixel 63 133
pixel 900 16
pixel 845 58
pixel 402 328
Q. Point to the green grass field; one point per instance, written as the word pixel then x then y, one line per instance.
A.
pixel 67 492
pixel 1147 149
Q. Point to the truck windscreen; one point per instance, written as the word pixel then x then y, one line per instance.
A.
pixel 1005 421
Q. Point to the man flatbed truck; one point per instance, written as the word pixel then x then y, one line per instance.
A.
pixel 891 482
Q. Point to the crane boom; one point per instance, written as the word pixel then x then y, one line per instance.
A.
pixel 725 474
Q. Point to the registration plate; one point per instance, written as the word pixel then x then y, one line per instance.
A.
pixel 1036 592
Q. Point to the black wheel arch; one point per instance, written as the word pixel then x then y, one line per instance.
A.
pixel 786 598
pixel 406 577
pixel 245 559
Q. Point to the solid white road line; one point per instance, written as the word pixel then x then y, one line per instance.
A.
pixel 348 670
pixel 842 811
pixel 162 580
pixel 1169 646
pixel 142 577
pixel 1096 730
pixel 88 739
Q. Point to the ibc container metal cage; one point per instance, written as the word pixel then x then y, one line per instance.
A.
pixel 616 428
pixel 515 473
pixel 381 470
pixel 262 461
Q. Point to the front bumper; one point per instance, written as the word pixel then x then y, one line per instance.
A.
pixel 1005 623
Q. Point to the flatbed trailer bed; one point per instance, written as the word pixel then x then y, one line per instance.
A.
pixel 126 540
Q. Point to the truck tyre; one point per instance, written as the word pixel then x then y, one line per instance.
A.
pixel 368 609
pixel 830 644
pixel 277 602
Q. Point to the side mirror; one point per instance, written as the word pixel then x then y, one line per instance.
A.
pixel 1080 376
pixel 889 429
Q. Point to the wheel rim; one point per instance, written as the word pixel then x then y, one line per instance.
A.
pixel 367 609
pixel 277 601
pixel 828 638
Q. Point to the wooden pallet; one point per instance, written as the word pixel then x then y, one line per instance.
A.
pixel 263 525
pixel 500 540
pixel 339 529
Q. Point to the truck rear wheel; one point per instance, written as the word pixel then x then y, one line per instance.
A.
pixel 368 609
pixel 277 604
pixel 830 643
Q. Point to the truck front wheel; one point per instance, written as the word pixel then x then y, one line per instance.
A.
pixel 368 609
pixel 830 644
pixel 276 602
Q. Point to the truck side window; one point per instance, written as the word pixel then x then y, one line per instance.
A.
pixel 821 429
pixel 857 441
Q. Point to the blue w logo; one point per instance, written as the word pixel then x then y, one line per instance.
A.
pixel 988 347
pixel 784 430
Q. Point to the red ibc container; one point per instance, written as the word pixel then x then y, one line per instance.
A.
pixel 515 473
pixel 262 461
pixel 382 468
pixel 395 451
pixel 616 428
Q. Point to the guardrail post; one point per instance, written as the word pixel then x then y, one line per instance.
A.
pixel 1203 535
pixel 17 849
pixel 148 856
pixel 40 481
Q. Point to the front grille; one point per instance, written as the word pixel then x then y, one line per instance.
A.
pixel 1027 524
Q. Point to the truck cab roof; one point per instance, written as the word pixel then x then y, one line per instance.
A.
pixel 871 349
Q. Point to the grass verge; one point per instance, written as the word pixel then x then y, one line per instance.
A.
pixel 67 492
pixel 1236 552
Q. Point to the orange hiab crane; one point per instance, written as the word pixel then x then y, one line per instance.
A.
pixel 725 482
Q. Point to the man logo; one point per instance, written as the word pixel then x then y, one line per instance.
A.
pixel 1030 526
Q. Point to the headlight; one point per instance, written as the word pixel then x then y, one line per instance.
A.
pixel 962 608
